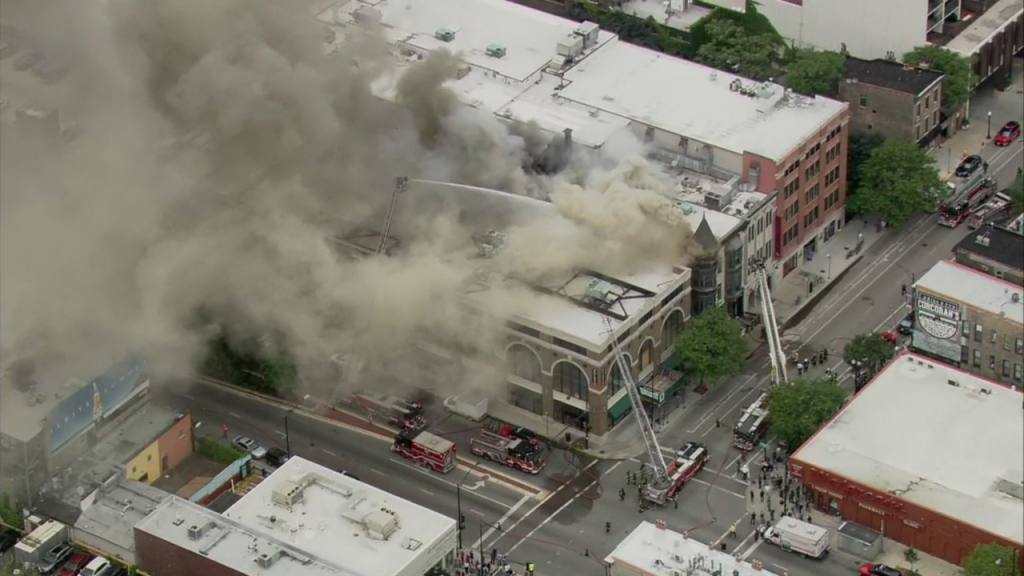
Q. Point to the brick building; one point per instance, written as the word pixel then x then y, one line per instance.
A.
pixel 995 251
pixel 971 320
pixel 892 99
pixel 927 455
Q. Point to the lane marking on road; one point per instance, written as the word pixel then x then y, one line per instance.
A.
pixel 750 550
pixel 326 451
pixel 377 471
pixel 725 535
pixel 492 529
pixel 719 488
pixel 235 416
pixel 281 434
pixel 477 512
pixel 434 475
pixel 425 491
pixel 707 415
pixel 560 509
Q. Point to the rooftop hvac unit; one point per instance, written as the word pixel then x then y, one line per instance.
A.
pixel 444 34
pixel 588 31
pixel 381 523
pixel 266 559
pixel 367 16
pixel 570 47
pixel 1015 297
pixel 196 531
pixel 495 51
pixel 287 493
pixel 599 290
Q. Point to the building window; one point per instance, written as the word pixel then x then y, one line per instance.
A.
pixel 522 362
pixel 1007 342
pixel 991 362
pixel 570 380
pixel 965 355
pixel 133 469
pixel 977 359
pixel 149 457
pixel 672 327
pixel 569 346
pixel 965 327
pixel 995 337
pixel 1006 368
pixel 1019 346
pixel 1017 372
pixel 616 382
pixel 646 355
pixel 978 332
pixel 919 107
pixel 863 101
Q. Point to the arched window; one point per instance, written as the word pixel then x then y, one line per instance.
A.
pixel 570 380
pixel 672 327
pixel 615 380
pixel 523 362
pixel 646 354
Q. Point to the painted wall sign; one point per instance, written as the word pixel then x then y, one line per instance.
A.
pixel 937 317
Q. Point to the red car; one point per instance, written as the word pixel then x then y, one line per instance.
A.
pixel 879 570
pixel 1007 134
pixel 75 564
pixel 889 337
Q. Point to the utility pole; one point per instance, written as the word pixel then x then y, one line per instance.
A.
pixel 287 436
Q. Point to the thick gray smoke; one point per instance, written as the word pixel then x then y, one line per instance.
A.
pixel 113 243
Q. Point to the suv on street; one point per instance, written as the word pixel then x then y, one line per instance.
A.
pixel 276 457
pixel 969 166
pixel 906 326
pixel 55 558
pixel 1007 134
pixel 250 446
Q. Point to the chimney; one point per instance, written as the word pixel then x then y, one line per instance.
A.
pixel 568 138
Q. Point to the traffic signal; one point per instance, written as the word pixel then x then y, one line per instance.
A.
pixel 462 521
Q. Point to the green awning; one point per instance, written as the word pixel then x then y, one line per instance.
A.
pixel 673 362
pixel 618 410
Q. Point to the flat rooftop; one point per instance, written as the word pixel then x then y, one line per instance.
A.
pixel 985 26
pixel 343 522
pixel 663 552
pixel 995 243
pixel 977 422
pixel 696 102
pixel 722 203
pixel 116 507
pixel 975 289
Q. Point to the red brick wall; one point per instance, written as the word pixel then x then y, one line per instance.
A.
pixel 175 444
pixel 158 557
pixel 904 522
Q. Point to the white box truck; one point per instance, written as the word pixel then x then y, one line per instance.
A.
pixel 33 547
pixel 472 405
pixel 799 537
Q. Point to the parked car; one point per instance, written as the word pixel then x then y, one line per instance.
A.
pixel 906 326
pixel 28 60
pixel 95 566
pixel 889 337
pixel 55 558
pixel 276 456
pixel 8 538
pixel 113 570
pixel 250 446
pixel 1007 134
pixel 969 166
pixel 879 570
pixel 520 433
pixel 75 563
pixel 349 474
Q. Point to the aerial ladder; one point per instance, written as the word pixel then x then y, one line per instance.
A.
pixel 776 354
pixel 401 183
pixel 660 482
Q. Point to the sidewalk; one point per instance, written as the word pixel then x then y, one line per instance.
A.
pixel 892 554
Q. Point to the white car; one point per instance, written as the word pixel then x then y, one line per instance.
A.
pixel 250 446
pixel 95 566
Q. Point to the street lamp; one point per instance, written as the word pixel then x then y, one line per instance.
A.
pixel 496 527
pixel 287 436
pixel 829 256
pixel 458 506
pixel 990 125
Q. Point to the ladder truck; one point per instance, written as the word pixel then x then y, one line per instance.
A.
pixel 689 460
pixel 397 412
pixel 967 195
pixel 776 355
pixel 990 211
pixel 659 485
pixel 512 452
pixel 753 425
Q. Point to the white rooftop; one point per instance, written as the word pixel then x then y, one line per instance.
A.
pixel 952 448
pixel 660 552
pixel 696 102
pixel 724 214
pixel 978 290
pixel 985 26
pixel 111 512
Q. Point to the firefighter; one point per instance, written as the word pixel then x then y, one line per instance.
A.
pixel 629 478
pixel 622 494
pixel 607 527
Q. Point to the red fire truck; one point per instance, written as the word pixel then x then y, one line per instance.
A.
pixel 752 426
pixel 397 412
pixel 512 452
pixel 967 195
pixel 425 449
pixel 992 210
pixel 690 459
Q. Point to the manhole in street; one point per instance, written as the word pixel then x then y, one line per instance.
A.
pixel 924 244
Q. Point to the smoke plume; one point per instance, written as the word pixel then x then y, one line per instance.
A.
pixel 225 148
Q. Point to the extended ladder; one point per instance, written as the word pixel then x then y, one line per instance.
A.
pixel 776 354
pixel 401 184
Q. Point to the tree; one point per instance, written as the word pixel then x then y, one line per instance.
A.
pixel 815 73
pixel 712 346
pixel 1017 196
pixel 870 349
pixel 862 144
pixel 800 408
pixel 959 80
pixel 897 181
pixel 730 48
pixel 251 363
pixel 992 560
pixel 10 515
pixel 912 557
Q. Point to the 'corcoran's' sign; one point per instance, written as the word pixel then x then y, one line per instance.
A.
pixel 937 317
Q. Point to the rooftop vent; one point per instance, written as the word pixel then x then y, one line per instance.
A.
pixel 495 51
pixel 287 494
pixel 196 531
pixel 589 32
pixel 266 558
pixel 367 16
pixel 1015 297
pixel 952 383
pixel 444 34
pixel 381 524
pixel 1011 488
pixel 982 240
pixel 599 290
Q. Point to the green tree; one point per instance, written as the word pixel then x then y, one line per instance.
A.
pixel 1017 196
pixel 730 48
pixel 862 144
pixel 898 180
pixel 252 363
pixel 712 346
pixel 800 408
pixel 912 557
pixel 992 560
pixel 750 20
pixel 959 80
pixel 815 73
pixel 10 514
pixel 871 349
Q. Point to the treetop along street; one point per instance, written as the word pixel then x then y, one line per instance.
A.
pixel 814 72
pixel 992 560
pixel 870 351
pixel 800 408
pixel 959 80
pixel 898 180
pixel 712 346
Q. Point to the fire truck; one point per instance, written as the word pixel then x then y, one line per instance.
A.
pixel 989 211
pixel 512 452
pixel 752 426
pixel 689 460
pixel 397 412
pixel 425 449
pixel 966 196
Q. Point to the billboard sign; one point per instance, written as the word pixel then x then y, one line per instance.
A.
pixel 937 327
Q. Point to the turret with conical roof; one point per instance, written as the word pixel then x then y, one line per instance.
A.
pixel 705 236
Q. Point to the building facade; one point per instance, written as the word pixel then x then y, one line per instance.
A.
pixel 172 447
pixel 891 99
pixel 995 251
